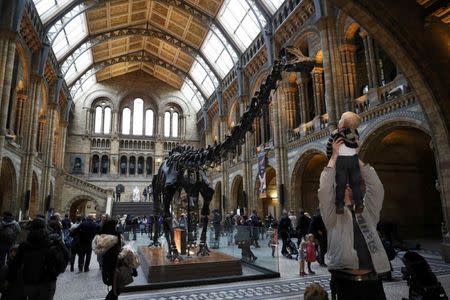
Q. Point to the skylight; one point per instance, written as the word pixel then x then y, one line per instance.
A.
pixel 218 52
pixel 240 22
pixel 273 5
pixel 47 8
pixel 70 35
pixel 192 94
pixel 79 66
pixel 203 77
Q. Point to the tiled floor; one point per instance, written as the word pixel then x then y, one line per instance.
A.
pixel 75 286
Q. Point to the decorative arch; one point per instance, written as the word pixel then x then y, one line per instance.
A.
pixel 8 186
pixel 305 180
pixel 237 193
pixel 99 208
pixel 402 154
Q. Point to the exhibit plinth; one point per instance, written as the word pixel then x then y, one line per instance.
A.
pixel 157 268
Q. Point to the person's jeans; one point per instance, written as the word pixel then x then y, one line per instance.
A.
pixel 84 258
pixel 348 172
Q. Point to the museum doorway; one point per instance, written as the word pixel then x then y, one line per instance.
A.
pixel 82 207
pixel 405 163
pixel 305 181
pixel 268 202
pixel 7 186
pixel 239 197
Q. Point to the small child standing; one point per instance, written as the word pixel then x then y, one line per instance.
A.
pixel 273 242
pixel 311 254
pixel 347 163
pixel 302 256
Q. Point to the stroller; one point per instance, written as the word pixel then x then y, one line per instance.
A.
pixel 291 248
pixel 423 284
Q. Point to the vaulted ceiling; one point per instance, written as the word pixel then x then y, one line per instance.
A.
pixel 188 44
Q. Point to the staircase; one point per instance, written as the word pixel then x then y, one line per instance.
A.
pixel 85 186
pixel 132 208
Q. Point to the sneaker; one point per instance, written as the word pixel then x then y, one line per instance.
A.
pixel 310 272
pixel 359 208
pixel 303 274
pixel 339 210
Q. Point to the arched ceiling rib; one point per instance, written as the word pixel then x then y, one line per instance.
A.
pixel 148 39
pixel 138 57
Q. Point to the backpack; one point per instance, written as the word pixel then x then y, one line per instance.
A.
pixel 7 234
pixel 57 257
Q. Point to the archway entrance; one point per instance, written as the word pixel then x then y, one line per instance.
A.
pixel 269 203
pixel 305 181
pixel 33 207
pixel 405 164
pixel 82 207
pixel 239 199
pixel 7 186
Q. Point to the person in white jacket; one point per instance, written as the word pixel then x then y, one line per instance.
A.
pixel 355 256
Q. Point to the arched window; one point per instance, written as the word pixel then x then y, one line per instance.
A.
pixel 95 164
pixel 149 121
pixel 126 118
pixel 138 116
pixel 107 121
pixel 123 165
pixel 105 164
pixel 132 167
pixel 140 165
pixel 98 119
pixel 171 123
pixel 167 124
pixel 175 124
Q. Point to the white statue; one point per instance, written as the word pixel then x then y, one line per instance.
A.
pixel 136 194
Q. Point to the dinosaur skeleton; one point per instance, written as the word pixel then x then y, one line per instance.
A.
pixel 185 167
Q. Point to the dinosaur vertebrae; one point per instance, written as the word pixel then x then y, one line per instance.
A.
pixel 291 60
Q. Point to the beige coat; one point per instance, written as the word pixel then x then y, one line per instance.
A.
pixel 341 254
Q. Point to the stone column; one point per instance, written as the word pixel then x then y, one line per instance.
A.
pixel 48 149
pixel 348 53
pixel 40 137
pixel 319 105
pixel 62 143
pixel 21 99
pixel 302 85
pixel 331 66
pixel 372 73
pixel 288 101
pixel 7 48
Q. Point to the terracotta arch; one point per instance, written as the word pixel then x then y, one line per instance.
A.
pixel 79 199
pixel 237 188
pixel 402 156
pixel 305 180
pixel 8 186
